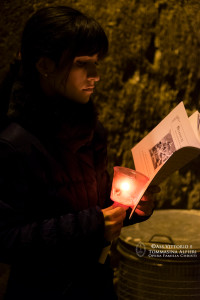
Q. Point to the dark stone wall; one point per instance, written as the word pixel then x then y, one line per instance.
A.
pixel 153 64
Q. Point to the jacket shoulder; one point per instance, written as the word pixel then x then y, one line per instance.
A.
pixel 14 138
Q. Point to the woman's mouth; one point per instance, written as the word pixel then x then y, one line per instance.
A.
pixel 89 89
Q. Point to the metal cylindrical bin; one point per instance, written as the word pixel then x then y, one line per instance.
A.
pixel 160 258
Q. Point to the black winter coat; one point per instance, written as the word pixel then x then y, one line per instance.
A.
pixel 53 184
pixel 51 224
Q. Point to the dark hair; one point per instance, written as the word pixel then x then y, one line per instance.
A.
pixel 52 31
pixel 55 32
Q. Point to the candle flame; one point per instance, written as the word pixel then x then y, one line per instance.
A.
pixel 125 186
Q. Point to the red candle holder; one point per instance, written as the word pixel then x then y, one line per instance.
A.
pixel 127 186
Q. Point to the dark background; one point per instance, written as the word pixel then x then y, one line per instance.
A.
pixel 153 64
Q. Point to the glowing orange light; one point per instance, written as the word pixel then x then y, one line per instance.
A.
pixel 125 186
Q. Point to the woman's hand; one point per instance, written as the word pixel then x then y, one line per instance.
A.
pixel 146 205
pixel 113 218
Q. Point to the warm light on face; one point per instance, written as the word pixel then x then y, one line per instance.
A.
pixel 125 186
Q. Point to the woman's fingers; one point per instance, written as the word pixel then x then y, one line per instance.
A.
pixel 146 205
pixel 113 219
pixel 153 189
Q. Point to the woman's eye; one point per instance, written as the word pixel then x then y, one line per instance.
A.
pixel 80 63
pixel 83 64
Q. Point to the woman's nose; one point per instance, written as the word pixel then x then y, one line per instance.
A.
pixel 92 72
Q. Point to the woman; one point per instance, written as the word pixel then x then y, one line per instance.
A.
pixel 55 211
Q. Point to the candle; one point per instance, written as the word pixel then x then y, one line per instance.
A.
pixel 127 186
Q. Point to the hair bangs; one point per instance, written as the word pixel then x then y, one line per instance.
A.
pixel 91 39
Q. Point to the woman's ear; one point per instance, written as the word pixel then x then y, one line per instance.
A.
pixel 45 66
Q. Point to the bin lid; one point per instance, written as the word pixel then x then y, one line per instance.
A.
pixel 166 231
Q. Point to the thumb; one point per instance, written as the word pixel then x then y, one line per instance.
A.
pixel 108 208
pixel 116 204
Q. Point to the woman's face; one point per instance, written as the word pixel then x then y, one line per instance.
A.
pixel 78 83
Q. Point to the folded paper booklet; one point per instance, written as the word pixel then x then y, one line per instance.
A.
pixel 173 143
